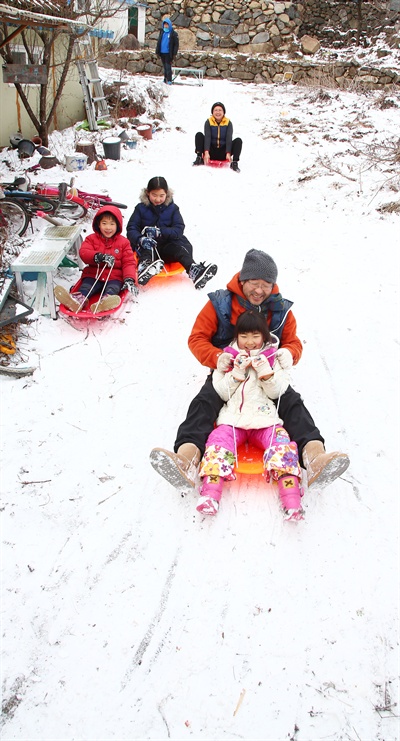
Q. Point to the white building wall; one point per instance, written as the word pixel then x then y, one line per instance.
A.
pixel 15 118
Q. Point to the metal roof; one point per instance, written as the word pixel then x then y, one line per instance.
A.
pixel 19 16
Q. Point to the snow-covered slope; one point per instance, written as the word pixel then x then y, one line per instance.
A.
pixel 128 616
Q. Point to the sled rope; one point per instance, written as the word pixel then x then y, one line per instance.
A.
pixel 103 289
pixel 273 427
pixel 234 434
pixel 97 278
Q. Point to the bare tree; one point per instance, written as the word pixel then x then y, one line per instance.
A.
pixel 359 22
pixel 52 45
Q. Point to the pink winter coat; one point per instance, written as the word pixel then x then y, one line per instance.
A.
pixel 118 246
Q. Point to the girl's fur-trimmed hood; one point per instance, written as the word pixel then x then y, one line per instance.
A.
pixel 144 198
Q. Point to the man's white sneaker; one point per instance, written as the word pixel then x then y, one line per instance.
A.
pixel 178 471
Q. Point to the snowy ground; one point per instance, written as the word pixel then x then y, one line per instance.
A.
pixel 126 615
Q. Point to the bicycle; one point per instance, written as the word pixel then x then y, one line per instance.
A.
pixel 63 200
pixel 81 197
pixel 54 203
pixel 14 218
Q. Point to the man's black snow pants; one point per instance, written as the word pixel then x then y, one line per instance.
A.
pixel 205 407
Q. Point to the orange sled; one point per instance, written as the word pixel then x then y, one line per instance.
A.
pixel 250 459
pixel 169 269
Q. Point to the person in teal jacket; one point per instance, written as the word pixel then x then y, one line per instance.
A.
pixel 167 48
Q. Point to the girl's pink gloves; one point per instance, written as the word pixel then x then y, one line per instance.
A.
pixel 262 366
pixel 240 367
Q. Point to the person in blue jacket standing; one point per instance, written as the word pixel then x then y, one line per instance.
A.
pixel 167 48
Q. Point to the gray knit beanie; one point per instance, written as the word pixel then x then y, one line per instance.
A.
pixel 258 266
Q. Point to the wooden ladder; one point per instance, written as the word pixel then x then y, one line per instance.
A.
pixel 95 102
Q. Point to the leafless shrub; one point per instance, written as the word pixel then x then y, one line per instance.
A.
pixel 390 208
pixel 388 100
pixel 322 96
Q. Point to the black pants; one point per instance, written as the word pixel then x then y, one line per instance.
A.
pixel 172 250
pixel 218 153
pixel 205 407
pixel 113 287
pixel 167 67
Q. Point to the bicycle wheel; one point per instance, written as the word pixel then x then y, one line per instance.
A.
pixel 13 217
pixel 38 203
pixel 71 210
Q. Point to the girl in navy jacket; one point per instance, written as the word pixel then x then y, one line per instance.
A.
pixel 155 231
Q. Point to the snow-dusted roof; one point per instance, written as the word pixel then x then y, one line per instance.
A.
pixel 19 14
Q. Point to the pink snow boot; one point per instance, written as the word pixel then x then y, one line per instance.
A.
pixel 290 496
pixel 207 506
pixel 210 494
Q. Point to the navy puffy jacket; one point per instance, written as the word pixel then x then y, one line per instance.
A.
pixel 166 216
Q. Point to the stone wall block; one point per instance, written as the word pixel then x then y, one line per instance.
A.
pixel 152 69
pixel 220 29
pixel 241 38
pixel 230 17
pixel 181 21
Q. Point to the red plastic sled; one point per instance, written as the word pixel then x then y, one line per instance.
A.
pixel 169 269
pixel 86 313
pixel 218 163
pixel 250 459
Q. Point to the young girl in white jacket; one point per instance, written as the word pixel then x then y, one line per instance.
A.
pixel 248 378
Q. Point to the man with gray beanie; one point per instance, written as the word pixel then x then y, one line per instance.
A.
pixel 253 288
pixel 217 142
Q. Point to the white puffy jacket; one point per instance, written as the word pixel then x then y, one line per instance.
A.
pixel 249 403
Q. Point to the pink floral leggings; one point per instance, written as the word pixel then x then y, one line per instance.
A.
pixel 280 455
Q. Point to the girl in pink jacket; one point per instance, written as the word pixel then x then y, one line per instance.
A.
pixel 249 378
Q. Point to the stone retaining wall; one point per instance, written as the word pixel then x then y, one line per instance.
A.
pixel 264 26
pixel 256 25
pixel 259 68
pixel 336 23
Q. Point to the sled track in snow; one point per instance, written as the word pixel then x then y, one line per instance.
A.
pixel 145 642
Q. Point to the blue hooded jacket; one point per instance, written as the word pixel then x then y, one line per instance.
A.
pixel 168 41
pixel 166 37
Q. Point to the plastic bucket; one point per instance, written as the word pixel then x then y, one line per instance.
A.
pixel 75 161
pixel 15 139
pixel 112 148
pixel 145 130
pixel 131 144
